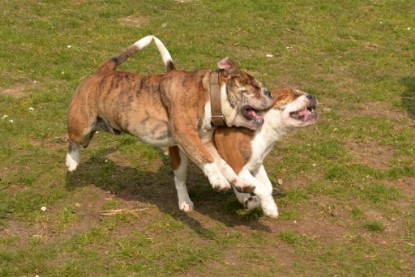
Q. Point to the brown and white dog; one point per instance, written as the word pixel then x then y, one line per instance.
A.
pixel 245 150
pixel 291 109
pixel 166 109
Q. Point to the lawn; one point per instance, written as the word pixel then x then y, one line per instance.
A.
pixel 346 186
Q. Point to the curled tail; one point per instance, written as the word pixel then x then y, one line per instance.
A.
pixel 165 55
pixel 115 61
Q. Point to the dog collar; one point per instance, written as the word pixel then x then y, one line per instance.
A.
pixel 218 119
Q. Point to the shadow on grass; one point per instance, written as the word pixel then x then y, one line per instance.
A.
pixel 408 96
pixel 158 188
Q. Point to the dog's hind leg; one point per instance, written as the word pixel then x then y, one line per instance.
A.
pixel 179 162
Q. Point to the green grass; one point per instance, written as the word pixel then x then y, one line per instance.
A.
pixel 375 226
pixel 288 237
pixel 347 207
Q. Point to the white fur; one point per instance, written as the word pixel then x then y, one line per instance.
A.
pixel 227 110
pixel 265 138
pixel 73 157
pixel 298 104
pixel 164 53
pixel 145 41
pixel 277 123
pixel 262 192
pixel 263 142
pixel 218 181
pixel 206 132
pixel 185 204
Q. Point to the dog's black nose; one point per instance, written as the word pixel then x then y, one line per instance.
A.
pixel 267 93
pixel 311 97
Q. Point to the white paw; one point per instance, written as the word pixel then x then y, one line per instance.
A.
pixel 216 179
pixel 243 186
pixel 251 202
pixel 71 163
pixel 220 185
pixel 186 206
pixel 270 209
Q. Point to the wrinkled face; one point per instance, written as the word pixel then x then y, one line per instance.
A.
pixel 297 108
pixel 249 99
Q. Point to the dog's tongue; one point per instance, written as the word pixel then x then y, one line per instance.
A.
pixel 254 116
pixel 304 113
pixel 252 113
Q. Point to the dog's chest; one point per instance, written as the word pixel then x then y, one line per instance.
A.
pixel 259 150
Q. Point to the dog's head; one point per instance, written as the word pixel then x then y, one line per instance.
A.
pixel 292 108
pixel 246 97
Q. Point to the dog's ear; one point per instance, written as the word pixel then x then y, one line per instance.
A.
pixel 227 65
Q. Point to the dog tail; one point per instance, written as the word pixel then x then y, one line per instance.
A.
pixel 165 55
pixel 115 61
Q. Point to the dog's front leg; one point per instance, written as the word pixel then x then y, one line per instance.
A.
pixel 262 192
pixel 239 184
pixel 247 200
pixel 262 176
pixel 186 137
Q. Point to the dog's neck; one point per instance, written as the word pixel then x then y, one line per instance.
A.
pixel 218 119
pixel 273 129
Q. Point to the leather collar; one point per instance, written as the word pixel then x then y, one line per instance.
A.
pixel 218 120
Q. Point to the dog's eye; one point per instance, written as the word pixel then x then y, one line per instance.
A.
pixel 267 93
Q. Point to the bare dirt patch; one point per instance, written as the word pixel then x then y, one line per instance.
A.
pixel 342 79
pixel 370 154
pixel 184 1
pixel 134 20
pixel 4 172
pixel 379 109
pixel 18 91
pixel 407 186
pixel 119 158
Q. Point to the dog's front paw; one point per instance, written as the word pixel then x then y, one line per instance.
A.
pixel 216 179
pixel 270 209
pixel 243 186
pixel 186 206
pixel 251 202
pixel 220 185
pixel 71 162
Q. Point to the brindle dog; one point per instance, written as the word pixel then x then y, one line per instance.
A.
pixel 165 109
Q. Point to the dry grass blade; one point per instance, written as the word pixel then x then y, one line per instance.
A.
pixel 133 212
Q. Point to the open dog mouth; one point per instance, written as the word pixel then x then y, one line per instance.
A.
pixel 305 114
pixel 251 115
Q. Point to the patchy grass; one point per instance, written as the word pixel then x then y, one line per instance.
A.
pixel 375 226
pixel 348 197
